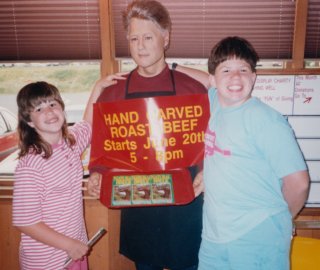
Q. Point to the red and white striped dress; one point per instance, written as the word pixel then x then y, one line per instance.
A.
pixel 49 191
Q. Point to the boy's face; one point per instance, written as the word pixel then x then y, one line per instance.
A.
pixel 234 81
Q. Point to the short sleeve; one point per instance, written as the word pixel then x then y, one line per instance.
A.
pixel 277 141
pixel 82 132
pixel 27 196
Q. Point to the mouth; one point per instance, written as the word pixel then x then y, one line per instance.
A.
pixel 235 88
pixel 143 55
pixel 52 120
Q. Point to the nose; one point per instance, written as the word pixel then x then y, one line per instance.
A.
pixel 141 43
pixel 235 74
pixel 48 109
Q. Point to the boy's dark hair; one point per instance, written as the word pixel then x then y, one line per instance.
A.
pixel 30 96
pixel 229 48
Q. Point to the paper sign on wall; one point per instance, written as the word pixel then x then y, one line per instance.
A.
pixel 307 95
pixel 276 91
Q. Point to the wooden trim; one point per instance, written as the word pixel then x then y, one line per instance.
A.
pixel 108 65
pixel 307 223
pixel 308 211
pixel 289 71
pixel 300 29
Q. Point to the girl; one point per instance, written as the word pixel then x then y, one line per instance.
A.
pixel 47 199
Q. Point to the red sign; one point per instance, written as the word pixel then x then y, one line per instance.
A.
pixel 150 134
pixel 148 144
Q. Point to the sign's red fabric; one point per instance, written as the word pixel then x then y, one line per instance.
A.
pixel 148 135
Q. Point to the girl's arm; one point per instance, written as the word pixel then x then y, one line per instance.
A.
pixel 199 75
pixel 99 86
pixel 44 234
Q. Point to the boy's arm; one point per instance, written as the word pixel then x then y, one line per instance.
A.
pixel 295 190
pixel 99 86
pixel 199 75
pixel 44 234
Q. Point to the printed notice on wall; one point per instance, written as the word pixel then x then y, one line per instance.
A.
pixel 276 91
pixel 307 95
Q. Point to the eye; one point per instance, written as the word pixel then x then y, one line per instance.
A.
pixel 37 109
pixel 133 39
pixel 225 70
pixel 245 69
pixel 148 37
pixel 53 104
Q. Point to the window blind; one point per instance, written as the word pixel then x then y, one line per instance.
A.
pixel 49 30
pixel 198 25
pixel 312 49
pixel 69 29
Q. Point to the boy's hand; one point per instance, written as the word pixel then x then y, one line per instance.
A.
pixel 198 185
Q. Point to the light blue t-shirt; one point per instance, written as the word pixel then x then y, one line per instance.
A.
pixel 249 149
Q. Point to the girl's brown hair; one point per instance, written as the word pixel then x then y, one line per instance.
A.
pixel 29 97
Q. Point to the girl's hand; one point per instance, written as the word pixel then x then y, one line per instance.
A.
pixel 109 80
pixel 99 86
pixel 94 184
pixel 76 249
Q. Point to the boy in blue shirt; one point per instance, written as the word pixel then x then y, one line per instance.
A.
pixel 255 176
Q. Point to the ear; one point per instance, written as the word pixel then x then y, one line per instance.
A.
pixel 212 80
pixel 254 77
pixel 30 124
pixel 166 38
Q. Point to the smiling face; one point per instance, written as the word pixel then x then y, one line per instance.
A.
pixel 147 44
pixel 234 81
pixel 47 119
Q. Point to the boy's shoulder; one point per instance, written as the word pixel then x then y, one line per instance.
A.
pixel 262 108
pixel 261 113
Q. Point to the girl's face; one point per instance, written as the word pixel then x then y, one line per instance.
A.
pixel 147 45
pixel 47 119
pixel 234 81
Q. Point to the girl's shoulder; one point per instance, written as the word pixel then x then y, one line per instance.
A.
pixel 80 127
pixel 31 161
pixel 82 132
